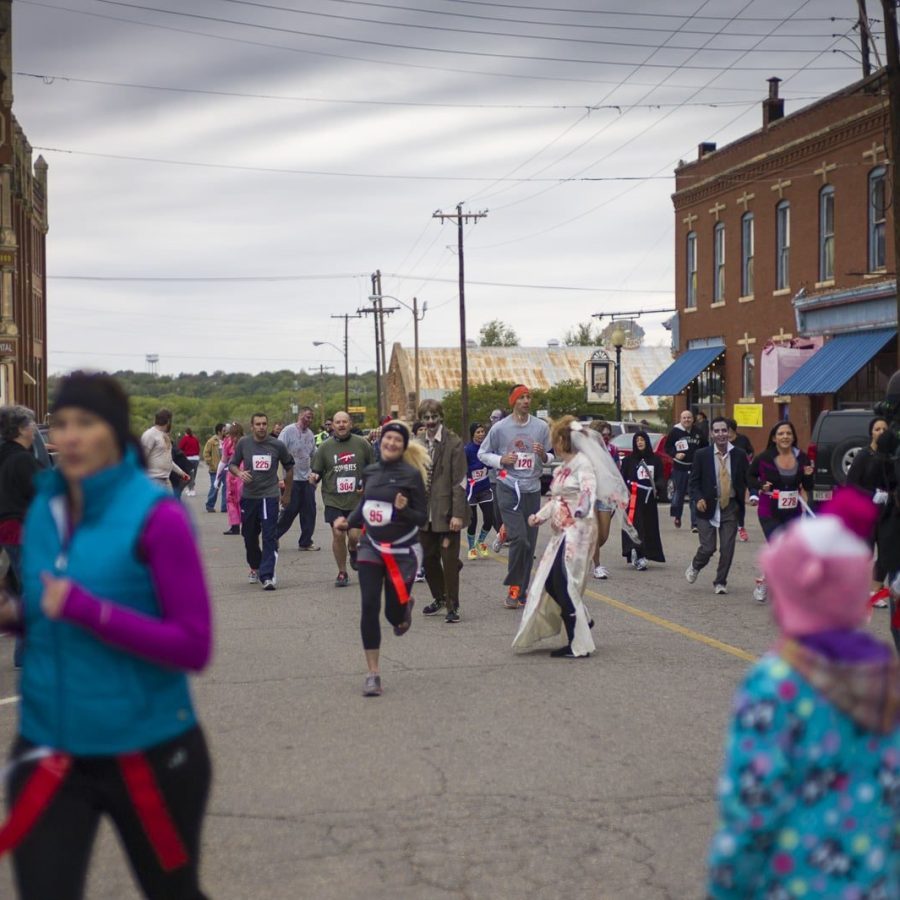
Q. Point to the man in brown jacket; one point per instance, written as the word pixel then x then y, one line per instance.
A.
pixel 448 511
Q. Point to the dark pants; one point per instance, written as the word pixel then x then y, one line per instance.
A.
pixel 213 491
pixel 522 536
pixel 727 536
pixel 442 565
pixel 373 578
pixel 52 861
pixel 14 582
pixel 557 586
pixel 680 478
pixel 260 517
pixel 303 505
pixel 487 516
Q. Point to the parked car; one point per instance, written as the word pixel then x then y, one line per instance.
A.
pixel 624 442
pixel 44 452
pixel 837 437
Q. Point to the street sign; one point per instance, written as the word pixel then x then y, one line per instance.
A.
pixel 356 409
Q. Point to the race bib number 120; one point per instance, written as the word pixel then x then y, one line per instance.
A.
pixel 525 462
pixel 346 484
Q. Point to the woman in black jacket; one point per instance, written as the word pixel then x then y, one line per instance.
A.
pixel 776 478
pixel 642 470
pixel 392 508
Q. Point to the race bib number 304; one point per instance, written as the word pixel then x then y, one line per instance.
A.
pixel 262 462
pixel 524 462
pixel 346 484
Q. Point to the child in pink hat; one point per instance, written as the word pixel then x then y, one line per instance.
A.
pixel 809 797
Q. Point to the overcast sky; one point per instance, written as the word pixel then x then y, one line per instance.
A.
pixel 272 158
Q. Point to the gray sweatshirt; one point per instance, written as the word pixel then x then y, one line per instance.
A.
pixel 509 436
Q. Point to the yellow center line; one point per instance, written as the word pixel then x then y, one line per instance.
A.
pixel 689 633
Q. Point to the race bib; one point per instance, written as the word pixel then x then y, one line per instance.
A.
pixel 346 484
pixel 788 499
pixel 377 512
pixel 478 474
pixel 262 463
pixel 524 462
pixel 645 473
pixel 681 446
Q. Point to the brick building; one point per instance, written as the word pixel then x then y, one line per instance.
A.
pixel 23 230
pixel 785 287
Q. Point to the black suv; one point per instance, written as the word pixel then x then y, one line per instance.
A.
pixel 837 437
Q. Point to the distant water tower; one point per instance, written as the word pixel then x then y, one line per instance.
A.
pixel 152 363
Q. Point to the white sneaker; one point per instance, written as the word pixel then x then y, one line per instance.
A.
pixel 691 574
pixel 253 577
pixel 601 572
pixel 640 564
pixel 191 493
pixel 269 584
pixel 760 592
pixel 720 589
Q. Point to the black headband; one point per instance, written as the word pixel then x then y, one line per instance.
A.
pixel 91 392
pixel 402 430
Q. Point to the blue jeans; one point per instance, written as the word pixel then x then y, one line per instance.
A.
pixel 213 490
pixel 302 504
pixel 260 517
pixel 680 478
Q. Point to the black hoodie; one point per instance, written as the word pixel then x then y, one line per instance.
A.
pixel 17 470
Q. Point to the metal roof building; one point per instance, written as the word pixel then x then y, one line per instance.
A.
pixel 538 367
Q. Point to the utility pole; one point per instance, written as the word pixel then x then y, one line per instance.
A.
pixel 347 317
pixel 378 311
pixel 892 70
pixel 462 218
pixel 864 38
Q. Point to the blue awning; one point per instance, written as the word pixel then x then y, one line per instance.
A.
pixel 683 371
pixel 832 366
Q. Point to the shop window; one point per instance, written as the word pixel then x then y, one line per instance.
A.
pixel 747 255
pixel 826 233
pixel 782 245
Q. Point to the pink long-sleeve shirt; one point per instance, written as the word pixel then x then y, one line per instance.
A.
pixel 182 636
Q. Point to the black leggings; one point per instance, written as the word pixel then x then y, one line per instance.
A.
pixel 373 578
pixel 487 516
pixel 557 586
pixel 52 861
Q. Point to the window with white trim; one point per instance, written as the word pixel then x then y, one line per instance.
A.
pixel 877 219
pixel 826 233
pixel 747 254
pixel 690 301
pixel 782 245
pixel 719 263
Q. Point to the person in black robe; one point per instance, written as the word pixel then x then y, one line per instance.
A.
pixel 642 470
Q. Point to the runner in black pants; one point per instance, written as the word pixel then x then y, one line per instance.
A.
pixel 392 509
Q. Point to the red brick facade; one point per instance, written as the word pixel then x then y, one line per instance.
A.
pixel 835 144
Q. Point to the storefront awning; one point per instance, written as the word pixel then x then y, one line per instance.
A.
pixel 830 368
pixel 683 371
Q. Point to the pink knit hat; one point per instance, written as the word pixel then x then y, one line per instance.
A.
pixel 818 570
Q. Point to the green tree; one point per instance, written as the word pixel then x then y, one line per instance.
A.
pixel 483 399
pixel 497 334
pixel 582 335
pixel 567 398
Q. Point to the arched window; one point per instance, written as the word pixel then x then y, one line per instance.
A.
pixel 877 219
pixel 719 263
pixel 691 272
pixel 826 233
pixel 747 255
pixel 782 245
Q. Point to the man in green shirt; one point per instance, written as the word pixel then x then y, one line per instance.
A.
pixel 338 465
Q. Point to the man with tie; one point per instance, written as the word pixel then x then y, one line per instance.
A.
pixel 717 486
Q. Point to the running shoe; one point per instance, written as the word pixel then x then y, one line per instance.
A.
pixel 452 615
pixel 404 626
pixel 309 547
pixel 235 529
pixel 691 574
pixel 695 529
pixel 482 549
pixel 742 534
pixel 433 608
pixel 372 686
pixel 720 589
pixel 760 591
pixel 353 564
pixel 472 554
pixel 601 572
pixel 640 564
pixel 512 597
pixel 253 577
pixel 342 580
pixel 879 599
pixel 500 540
pixel 269 584
pixel 566 653
pixel 677 522
pixel 420 576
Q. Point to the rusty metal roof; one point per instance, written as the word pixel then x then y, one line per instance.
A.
pixel 538 367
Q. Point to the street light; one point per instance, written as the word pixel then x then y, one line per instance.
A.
pixel 617 339
pixel 414 309
pixel 346 369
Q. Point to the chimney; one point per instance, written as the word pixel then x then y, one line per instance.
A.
pixel 705 149
pixel 773 105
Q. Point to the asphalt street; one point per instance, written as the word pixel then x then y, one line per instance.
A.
pixel 481 773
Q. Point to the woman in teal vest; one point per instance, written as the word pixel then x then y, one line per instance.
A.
pixel 114 612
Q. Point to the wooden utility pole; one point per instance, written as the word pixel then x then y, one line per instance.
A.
pixel 379 311
pixel 347 317
pixel 864 38
pixel 461 218
pixel 892 70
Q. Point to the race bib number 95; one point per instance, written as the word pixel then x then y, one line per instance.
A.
pixel 377 512
pixel 346 484
pixel 262 463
